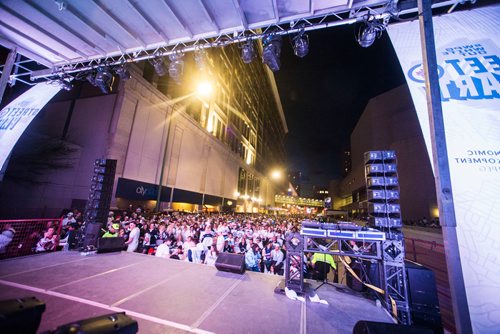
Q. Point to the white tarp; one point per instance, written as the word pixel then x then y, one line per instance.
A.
pixel 467 48
pixel 16 116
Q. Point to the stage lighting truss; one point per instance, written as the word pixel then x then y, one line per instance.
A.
pixel 375 19
pixel 176 66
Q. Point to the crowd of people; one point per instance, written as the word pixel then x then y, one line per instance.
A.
pixel 201 237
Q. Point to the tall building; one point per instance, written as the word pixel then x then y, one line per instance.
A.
pixel 209 152
pixel 346 162
pixel 389 122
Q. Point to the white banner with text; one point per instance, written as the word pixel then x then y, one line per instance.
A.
pixel 18 114
pixel 467 48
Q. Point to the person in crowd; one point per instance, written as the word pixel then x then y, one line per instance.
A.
pixel 112 231
pixel 6 237
pixel 150 238
pixel 211 257
pixel 70 240
pixel 267 257
pixel 277 259
pixel 252 258
pixel 133 239
pixel 47 242
pixel 68 220
pixel 163 250
pixel 326 260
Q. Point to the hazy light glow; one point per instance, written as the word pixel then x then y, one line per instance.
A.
pixel 276 175
pixel 205 89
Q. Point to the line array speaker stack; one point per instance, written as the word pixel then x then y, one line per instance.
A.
pixel 384 214
pixel 97 208
pixel 382 189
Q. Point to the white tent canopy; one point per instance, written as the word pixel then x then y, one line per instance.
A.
pixel 59 32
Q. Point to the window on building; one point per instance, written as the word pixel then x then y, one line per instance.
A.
pixel 242 179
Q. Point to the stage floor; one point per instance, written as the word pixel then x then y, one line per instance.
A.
pixel 169 296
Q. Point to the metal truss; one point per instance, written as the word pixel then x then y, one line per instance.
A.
pixel 395 282
pixel 378 10
pixel 341 247
pixel 389 255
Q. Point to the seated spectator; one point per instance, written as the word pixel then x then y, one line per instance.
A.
pixel 47 242
pixel 278 257
pixel 6 237
pixel 252 258
pixel 163 250
pixel 70 241
pixel 112 231
pixel 211 257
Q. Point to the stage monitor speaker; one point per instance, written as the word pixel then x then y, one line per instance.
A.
pixel 22 315
pixel 116 323
pixel 372 327
pixel 233 263
pixel 108 245
pixel 423 297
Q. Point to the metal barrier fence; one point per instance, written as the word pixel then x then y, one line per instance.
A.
pixel 431 255
pixel 28 236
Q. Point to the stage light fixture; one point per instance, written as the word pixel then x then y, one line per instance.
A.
pixel 200 57
pixel 159 66
pixel 122 72
pixel 247 52
pixel 104 79
pixel 369 32
pixel 301 44
pixel 176 66
pixel 65 83
pixel 90 77
pixel 272 51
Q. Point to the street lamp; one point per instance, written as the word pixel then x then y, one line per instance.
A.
pixel 276 175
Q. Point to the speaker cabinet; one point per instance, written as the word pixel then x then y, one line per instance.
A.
pixel 233 263
pixel 117 323
pixel 108 245
pixel 372 327
pixel 423 297
pixel 20 316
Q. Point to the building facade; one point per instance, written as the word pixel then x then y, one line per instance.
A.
pixel 389 122
pixel 209 153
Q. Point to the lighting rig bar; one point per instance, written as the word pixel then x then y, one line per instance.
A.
pixel 379 11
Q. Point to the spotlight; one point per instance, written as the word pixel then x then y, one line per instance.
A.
pixel 91 77
pixel 104 79
pixel 369 32
pixel 272 51
pixel 176 66
pixel 247 52
pixel 159 66
pixel 301 44
pixel 200 59
pixel 122 72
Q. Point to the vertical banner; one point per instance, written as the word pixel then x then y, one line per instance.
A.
pixel 18 114
pixel 469 76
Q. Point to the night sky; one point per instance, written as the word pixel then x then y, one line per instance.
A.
pixel 325 93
